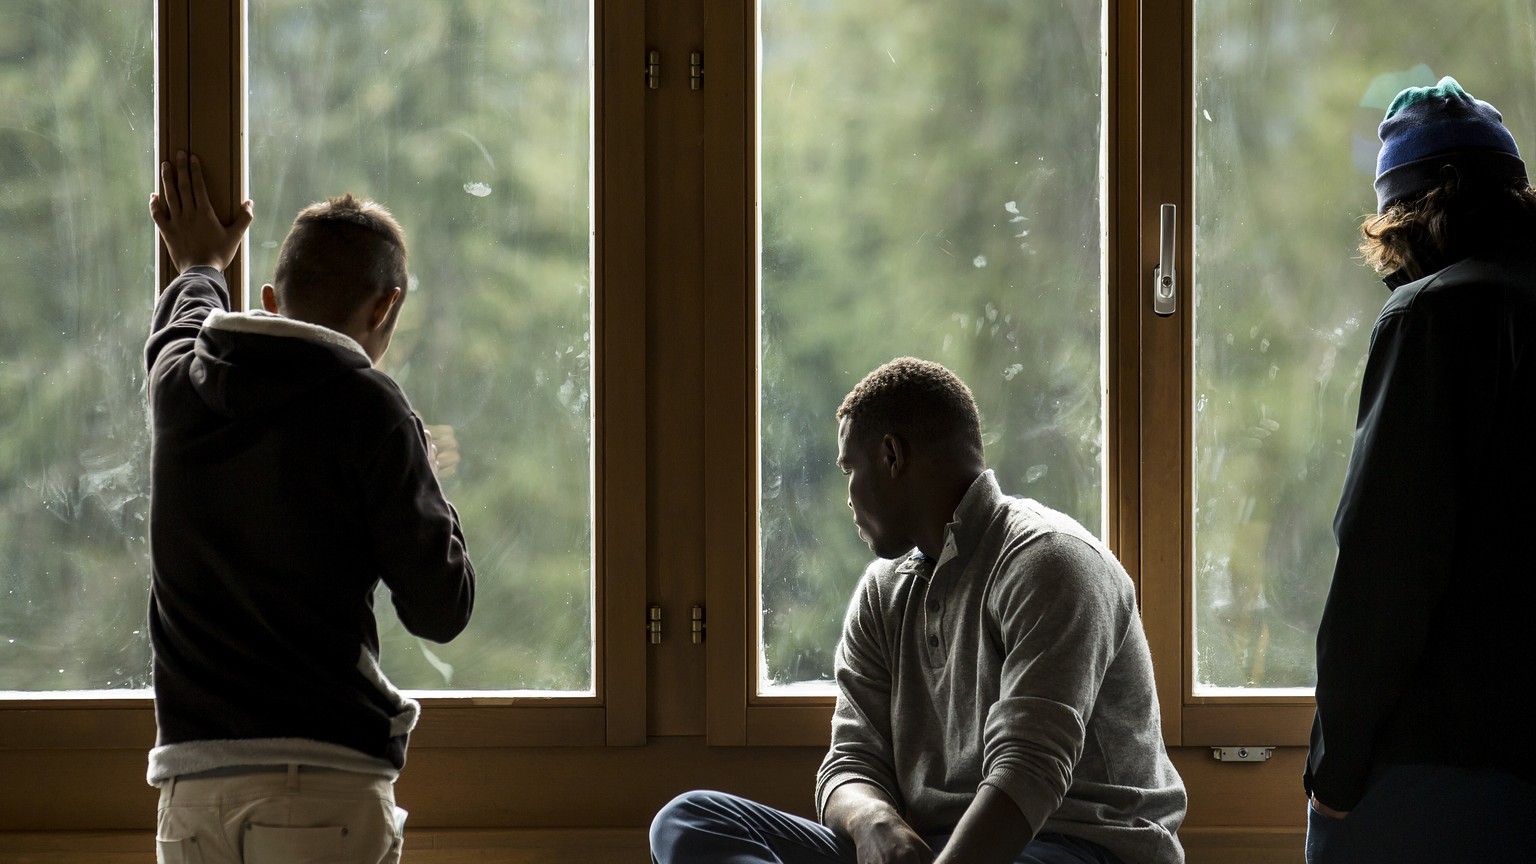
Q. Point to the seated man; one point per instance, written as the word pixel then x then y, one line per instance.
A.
pixel 995 694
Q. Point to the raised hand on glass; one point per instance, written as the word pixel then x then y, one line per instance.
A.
pixel 192 232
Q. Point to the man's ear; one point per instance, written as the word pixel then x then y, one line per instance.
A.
pixel 381 307
pixel 269 299
pixel 894 453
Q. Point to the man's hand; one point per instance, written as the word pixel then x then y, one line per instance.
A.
pixel 864 814
pixel 891 841
pixel 192 233
pixel 992 831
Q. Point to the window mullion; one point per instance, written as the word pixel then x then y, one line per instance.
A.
pixel 201 103
pixel 620 366
pixel 1163 532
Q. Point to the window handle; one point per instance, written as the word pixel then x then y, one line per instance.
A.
pixel 1165 279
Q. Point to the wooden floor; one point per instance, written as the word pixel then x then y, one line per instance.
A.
pixel 1239 813
pixel 463 809
pixel 584 846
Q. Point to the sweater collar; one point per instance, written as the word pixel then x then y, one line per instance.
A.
pixel 964 530
pixel 972 516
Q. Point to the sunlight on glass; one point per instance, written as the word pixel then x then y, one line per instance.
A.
pixel 77 124
pixel 913 203
pixel 1288 98
pixel 472 122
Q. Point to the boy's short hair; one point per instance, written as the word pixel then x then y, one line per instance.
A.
pixel 339 255
pixel 918 400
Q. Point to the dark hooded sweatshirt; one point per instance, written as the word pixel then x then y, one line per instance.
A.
pixel 289 477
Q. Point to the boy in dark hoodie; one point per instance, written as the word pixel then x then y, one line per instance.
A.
pixel 290 476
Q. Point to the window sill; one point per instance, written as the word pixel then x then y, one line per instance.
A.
pixel 127 722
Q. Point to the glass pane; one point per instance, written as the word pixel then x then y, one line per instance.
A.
pixel 77 123
pixel 1288 96
pixel 472 122
pixel 914 203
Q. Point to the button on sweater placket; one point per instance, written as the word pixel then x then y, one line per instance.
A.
pixel 933 624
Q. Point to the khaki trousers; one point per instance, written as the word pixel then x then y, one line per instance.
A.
pixel 292 815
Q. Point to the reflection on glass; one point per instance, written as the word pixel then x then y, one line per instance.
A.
pixel 931 186
pixel 1287 101
pixel 471 121
pixel 76 164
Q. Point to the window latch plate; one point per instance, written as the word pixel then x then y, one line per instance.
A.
pixel 1242 754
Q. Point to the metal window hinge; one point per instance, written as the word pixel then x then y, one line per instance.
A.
pixel 1242 754
pixel 698 624
pixel 653 69
pixel 696 75
pixel 653 625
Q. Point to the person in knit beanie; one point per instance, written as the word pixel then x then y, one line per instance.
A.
pixel 1449 182
pixel 1424 663
pixel 1430 129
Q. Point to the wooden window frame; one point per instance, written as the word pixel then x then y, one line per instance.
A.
pixel 1149 451
pixel 200 107
pixel 1168 462
pixel 692 706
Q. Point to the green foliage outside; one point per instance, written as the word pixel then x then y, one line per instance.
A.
pixel 887 148
pixel 1287 100
pixel 77 261
pixel 931 186
pixel 470 120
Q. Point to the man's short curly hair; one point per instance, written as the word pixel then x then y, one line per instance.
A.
pixel 1448 223
pixel 918 400
pixel 339 255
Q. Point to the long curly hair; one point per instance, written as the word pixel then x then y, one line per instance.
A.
pixel 1448 223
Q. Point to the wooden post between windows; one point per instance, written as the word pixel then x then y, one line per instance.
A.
pixel 200 108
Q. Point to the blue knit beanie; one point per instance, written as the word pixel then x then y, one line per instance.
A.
pixel 1428 129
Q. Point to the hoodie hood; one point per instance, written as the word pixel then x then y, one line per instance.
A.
pixel 246 363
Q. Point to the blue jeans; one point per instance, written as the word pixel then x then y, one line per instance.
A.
pixel 717 828
pixel 1434 814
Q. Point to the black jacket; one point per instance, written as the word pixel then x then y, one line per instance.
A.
pixel 1425 653
pixel 288 478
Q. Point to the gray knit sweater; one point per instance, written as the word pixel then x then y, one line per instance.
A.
pixel 1016 661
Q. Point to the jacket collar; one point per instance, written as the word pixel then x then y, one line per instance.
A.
pixel 1396 279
